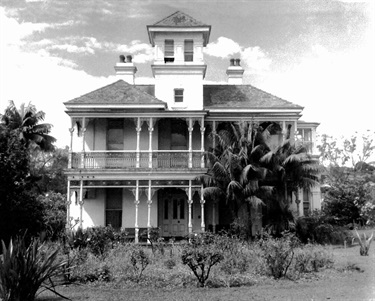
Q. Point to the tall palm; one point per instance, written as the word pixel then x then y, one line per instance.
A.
pixel 234 170
pixel 26 120
pixel 290 168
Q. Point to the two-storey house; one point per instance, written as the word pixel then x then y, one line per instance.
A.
pixel 137 150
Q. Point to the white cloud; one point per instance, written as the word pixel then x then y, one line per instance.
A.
pixel 37 77
pixel 222 48
pixel 255 60
pixel 142 52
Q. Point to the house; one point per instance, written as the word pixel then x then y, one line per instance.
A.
pixel 137 150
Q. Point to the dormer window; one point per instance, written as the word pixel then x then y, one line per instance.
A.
pixel 179 95
pixel 168 51
pixel 189 50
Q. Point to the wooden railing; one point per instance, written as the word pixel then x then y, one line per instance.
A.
pixel 143 159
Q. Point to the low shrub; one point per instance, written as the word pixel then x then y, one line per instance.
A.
pixel 27 268
pixel 321 229
pixel 98 240
pixel 278 254
pixel 200 255
pixel 139 261
pixel 311 258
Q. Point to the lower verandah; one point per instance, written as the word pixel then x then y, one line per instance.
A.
pixel 176 209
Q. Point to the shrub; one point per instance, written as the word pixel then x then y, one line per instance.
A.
pixel 278 254
pixel 139 261
pixel 310 258
pixel 200 255
pixel 24 269
pixel 90 270
pixel 320 229
pixel 98 240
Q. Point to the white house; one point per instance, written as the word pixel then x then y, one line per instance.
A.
pixel 136 150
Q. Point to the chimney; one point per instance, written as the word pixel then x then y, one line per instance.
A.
pixel 235 72
pixel 125 69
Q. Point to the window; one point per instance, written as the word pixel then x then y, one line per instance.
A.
pixel 189 50
pixel 113 208
pixel 178 134
pixel 115 135
pixel 168 51
pixel 178 95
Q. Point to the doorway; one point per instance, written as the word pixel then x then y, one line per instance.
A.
pixel 173 213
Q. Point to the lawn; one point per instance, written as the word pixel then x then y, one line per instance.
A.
pixel 351 278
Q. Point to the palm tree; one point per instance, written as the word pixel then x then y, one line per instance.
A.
pixel 26 121
pixel 290 168
pixel 234 169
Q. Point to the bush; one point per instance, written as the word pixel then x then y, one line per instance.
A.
pixel 24 269
pixel 200 255
pixel 320 229
pixel 278 254
pixel 311 258
pixel 139 261
pixel 98 240
pixel 90 269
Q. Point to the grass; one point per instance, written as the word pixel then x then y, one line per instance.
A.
pixel 351 278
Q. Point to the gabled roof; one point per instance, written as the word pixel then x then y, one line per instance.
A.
pixel 242 97
pixel 117 93
pixel 179 19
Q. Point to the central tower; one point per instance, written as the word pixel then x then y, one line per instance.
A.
pixel 178 66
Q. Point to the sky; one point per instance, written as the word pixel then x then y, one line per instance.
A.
pixel 318 54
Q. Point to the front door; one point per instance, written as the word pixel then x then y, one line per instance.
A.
pixel 174 214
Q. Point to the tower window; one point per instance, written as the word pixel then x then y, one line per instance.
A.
pixel 168 51
pixel 189 50
pixel 178 95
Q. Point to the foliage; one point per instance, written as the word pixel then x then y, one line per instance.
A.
pixel 320 228
pixel 98 240
pixel 364 243
pixel 25 121
pixel 345 198
pixel 139 261
pixel 278 254
pixel 19 209
pixel 246 173
pixel 334 152
pixel 25 269
pixel 348 178
pixel 234 169
pixel 47 168
pixel 200 255
pixel 290 168
pixel 54 218
pixel 311 258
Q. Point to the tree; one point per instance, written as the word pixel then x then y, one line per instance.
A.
pixel 19 208
pixel 234 169
pixel 47 168
pixel 54 217
pixel 349 178
pixel 26 122
pixel 290 168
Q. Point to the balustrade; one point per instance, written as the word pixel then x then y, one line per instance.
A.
pixel 165 159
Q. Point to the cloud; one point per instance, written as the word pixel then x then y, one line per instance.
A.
pixel 223 48
pixel 253 58
pixel 40 78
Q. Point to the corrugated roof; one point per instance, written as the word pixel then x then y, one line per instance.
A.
pixel 179 19
pixel 242 96
pixel 119 92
